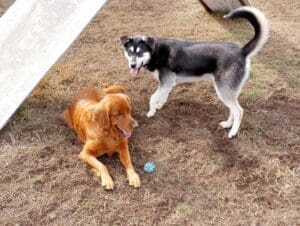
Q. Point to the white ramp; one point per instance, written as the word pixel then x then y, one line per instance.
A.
pixel 33 35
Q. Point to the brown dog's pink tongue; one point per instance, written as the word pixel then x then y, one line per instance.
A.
pixel 127 134
pixel 124 132
pixel 134 72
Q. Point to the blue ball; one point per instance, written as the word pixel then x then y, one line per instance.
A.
pixel 149 167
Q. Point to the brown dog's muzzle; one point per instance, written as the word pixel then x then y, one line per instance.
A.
pixel 135 124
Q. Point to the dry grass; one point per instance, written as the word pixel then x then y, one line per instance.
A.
pixel 202 177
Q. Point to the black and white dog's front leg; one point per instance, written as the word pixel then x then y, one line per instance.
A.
pixel 160 96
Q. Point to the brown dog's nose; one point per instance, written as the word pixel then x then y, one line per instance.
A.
pixel 135 124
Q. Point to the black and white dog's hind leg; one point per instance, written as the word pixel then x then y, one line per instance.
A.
pixel 229 96
pixel 230 99
pixel 167 80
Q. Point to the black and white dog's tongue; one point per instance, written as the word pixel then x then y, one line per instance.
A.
pixel 135 72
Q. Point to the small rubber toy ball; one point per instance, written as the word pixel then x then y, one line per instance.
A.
pixel 149 167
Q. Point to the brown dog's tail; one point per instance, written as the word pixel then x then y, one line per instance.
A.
pixel 114 89
pixel 66 116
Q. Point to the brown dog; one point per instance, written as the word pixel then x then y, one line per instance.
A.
pixel 102 119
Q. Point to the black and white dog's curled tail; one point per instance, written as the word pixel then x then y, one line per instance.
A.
pixel 260 24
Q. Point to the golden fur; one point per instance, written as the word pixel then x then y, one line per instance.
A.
pixel 103 122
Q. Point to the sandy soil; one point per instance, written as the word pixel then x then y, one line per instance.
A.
pixel 202 177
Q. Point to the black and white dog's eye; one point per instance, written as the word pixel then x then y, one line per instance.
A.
pixel 131 49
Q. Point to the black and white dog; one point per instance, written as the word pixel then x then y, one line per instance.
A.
pixel 175 61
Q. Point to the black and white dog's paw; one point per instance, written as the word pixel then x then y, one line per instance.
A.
pixel 151 113
pixel 232 134
pixel 225 124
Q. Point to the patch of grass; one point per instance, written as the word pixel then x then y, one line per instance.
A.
pixel 25 113
pixel 182 208
pixel 255 94
pixel 289 134
pixel 116 222
pixel 284 62
pixel 293 80
pixel 89 206
pixel 251 74
pixel 288 65
pixel 218 159
pixel 66 133
pixel 277 148
pixel 30 181
pixel 65 71
pixel 256 128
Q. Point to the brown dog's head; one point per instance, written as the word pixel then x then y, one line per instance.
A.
pixel 114 110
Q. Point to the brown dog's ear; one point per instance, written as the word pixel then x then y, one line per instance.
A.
pixel 128 100
pixel 101 116
pixel 124 40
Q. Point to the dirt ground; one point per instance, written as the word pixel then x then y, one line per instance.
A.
pixel 202 177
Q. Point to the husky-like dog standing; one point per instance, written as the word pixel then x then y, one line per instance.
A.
pixel 176 61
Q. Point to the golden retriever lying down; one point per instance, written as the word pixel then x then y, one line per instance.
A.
pixel 102 119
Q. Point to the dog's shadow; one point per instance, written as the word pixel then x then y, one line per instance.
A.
pixel 202 122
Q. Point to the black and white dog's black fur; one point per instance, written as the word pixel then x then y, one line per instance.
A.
pixel 174 61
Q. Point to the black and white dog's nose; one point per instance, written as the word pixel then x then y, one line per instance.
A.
pixel 133 66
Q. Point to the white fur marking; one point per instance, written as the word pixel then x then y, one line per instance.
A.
pixel 146 57
pixel 144 38
pixel 126 55
pixel 159 98
pixel 131 60
pixel 229 122
pixel 156 75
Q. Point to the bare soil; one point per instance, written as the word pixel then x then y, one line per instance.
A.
pixel 202 177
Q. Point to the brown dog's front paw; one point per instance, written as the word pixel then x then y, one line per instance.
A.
pixel 134 180
pixel 107 182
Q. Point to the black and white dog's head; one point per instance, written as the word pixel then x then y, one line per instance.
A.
pixel 138 51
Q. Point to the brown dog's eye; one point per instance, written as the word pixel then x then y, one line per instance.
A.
pixel 117 114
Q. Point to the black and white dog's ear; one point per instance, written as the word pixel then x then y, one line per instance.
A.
pixel 124 40
pixel 150 42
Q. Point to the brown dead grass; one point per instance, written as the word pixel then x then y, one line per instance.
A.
pixel 202 177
